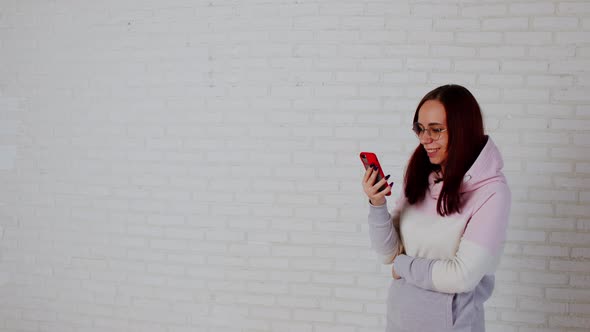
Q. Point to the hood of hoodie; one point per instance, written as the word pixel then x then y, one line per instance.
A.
pixel 487 168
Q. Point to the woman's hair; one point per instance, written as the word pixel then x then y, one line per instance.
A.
pixel 466 139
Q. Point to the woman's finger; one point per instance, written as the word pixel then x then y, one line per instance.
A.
pixel 381 183
pixel 373 176
pixel 382 193
pixel 368 173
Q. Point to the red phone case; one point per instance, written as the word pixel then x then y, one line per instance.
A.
pixel 369 158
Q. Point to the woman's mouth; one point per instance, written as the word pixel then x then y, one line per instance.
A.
pixel 432 152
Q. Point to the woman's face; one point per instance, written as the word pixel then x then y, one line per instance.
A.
pixel 432 116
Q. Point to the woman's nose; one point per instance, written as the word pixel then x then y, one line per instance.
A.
pixel 425 138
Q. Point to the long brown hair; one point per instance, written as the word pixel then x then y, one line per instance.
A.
pixel 466 140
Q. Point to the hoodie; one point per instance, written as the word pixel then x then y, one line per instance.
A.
pixel 447 269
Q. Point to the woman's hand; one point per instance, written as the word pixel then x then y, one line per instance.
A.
pixel 371 188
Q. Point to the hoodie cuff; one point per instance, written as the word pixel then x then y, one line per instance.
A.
pixel 401 264
pixel 416 271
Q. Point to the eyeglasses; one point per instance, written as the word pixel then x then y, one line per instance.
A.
pixel 433 132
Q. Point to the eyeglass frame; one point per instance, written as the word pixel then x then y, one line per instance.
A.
pixel 428 130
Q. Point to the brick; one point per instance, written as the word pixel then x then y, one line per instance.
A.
pixel 526 95
pixel 580 153
pixel 396 23
pixel 287 91
pixel 354 294
pixel 523 317
pixel 538 329
pixel 363 22
pixel 452 51
pixel 313 315
pixel 555 23
pixel 550 80
pixel 568 266
pixel 479 37
pixel 291 251
pixel 552 167
pixel 532 8
pixel 571 95
pixel 380 64
pixel 444 78
pixel 299 9
pixel 526 235
pixel 383 36
pixel 550 110
pixel 573 7
pixel 430 36
pixel 518 179
pixel 582 111
pixel 361 51
pixel 428 64
pixel 503 80
pixel 253 249
pixel 543 306
pixel 336 279
pixel 479 65
pixel 529 124
pixel 410 49
pixel 400 78
pixel 572 210
pixel 335 91
pixel 583 80
pixel 570 238
pixel 456 24
pixel 525 66
pixel 388 8
pixel 501 302
pixel 483 10
pixel 554 195
pixel 546 251
pixel 569 321
pixel 569 66
pixel 355 132
pixel 579 308
pixel 521 263
pixel 581 139
pixel 583 225
pixel 435 10
pixel 494 327
pixel 358 319
pixel 505 24
pixel 548 51
pixel 334 328
pixel 580 281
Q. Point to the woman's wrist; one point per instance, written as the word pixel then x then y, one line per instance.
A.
pixel 378 203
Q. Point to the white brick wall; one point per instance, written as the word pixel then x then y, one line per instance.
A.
pixel 193 165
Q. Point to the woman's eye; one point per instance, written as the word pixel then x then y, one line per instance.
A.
pixel 436 130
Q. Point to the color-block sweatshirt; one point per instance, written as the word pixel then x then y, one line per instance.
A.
pixel 447 271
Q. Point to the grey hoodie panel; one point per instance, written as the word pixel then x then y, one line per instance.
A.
pixel 410 308
pixel 413 309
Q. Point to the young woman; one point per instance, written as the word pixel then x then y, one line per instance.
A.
pixel 445 234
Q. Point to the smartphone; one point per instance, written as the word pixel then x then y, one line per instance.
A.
pixel 369 158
